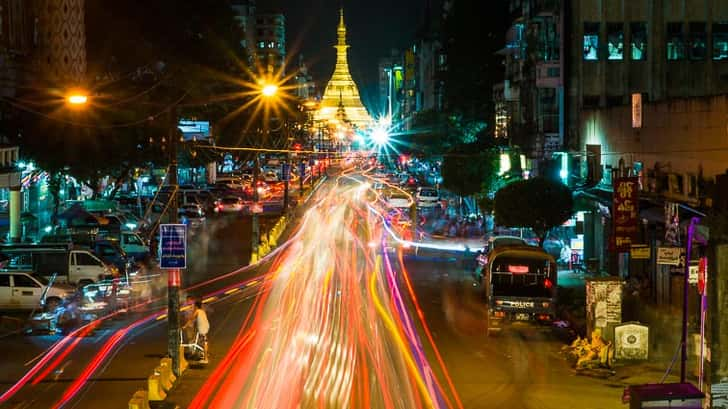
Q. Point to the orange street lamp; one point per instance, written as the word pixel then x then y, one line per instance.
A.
pixel 77 98
pixel 269 90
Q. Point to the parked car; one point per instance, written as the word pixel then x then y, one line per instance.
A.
pixel 399 199
pixel 108 249
pixel 25 290
pixel 229 204
pixel 73 266
pixel 192 215
pixel 427 197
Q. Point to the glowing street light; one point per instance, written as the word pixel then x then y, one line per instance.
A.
pixel 77 98
pixel 269 90
pixel 380 136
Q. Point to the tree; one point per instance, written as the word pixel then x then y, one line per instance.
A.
pixel 538 203
pixel 466 166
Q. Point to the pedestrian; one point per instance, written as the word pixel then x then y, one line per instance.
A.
pixel 187 317
pixel 201 325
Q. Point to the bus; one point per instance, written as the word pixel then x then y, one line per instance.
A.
pixel 520 286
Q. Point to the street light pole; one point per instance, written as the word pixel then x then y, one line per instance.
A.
pixel 173 277
pixel 256 228
pixel 686 287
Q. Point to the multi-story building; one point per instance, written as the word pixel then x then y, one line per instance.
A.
pixel 245 15
pixel 661 49
pixel 529 102
pixel 265 36
pixel 391 84
pixel 270 29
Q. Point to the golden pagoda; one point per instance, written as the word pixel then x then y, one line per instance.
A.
pixel 341 92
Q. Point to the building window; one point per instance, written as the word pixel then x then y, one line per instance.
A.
pixel 675 42
pixel 591 41
pixel 720 41
pixel 553 72
pixel 271 44
pixel 697 41
pixel 615 41
pixel 638 41
pixel 261 44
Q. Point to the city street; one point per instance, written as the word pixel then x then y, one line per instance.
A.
pixel 397 205
pixel 358 305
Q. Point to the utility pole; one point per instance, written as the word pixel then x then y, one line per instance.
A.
pixel 256 228
pixel 286 177
pixel 173 275
pixel 686 287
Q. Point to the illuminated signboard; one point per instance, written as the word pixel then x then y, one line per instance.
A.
pixel 518 269
pixel 194 130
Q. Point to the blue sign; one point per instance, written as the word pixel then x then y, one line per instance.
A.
pixel 172 246
pixel 194 130
pixel 286 167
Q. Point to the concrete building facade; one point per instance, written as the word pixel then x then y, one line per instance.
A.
pixel 270 36
pixel 529 103
pixel 662 49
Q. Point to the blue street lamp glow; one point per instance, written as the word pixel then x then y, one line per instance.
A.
pixel 380 136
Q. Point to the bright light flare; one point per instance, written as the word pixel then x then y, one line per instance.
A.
pixel 77 99
pixel 380 136
pixel 269 90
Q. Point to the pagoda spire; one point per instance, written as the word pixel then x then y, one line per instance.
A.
pixel 341 93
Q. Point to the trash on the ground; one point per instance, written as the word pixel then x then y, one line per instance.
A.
pixel 590 354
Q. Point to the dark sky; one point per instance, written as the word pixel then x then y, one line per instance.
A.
pixel 373 28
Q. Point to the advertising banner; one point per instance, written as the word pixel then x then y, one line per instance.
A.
pixel 625 213
pixel 173 246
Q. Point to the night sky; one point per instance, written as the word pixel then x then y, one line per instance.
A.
pixel 374 27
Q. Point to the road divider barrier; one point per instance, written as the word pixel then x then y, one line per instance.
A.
pixel 154 388
pixel 165 376
pixel 140 400
pixel 160 382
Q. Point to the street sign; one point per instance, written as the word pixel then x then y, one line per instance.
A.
pixel 172 246
pixel 702 274
pixel 286 171
pixel 693 274
pixel 639 252
pixel 669 256
pixel 625 208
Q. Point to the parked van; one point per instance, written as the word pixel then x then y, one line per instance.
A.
pixel 24 290
pixel 107 248
pixel 73 266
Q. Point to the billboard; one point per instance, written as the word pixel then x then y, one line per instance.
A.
pixel 625 213
pixel 172 246
pixel 194 130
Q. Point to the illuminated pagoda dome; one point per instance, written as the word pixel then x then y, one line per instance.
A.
pixel 341 91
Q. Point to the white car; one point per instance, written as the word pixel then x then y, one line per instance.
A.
pixel 229 204
pixel 24 291
pixel 192 215
pixel 427 197
pixel 399 200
